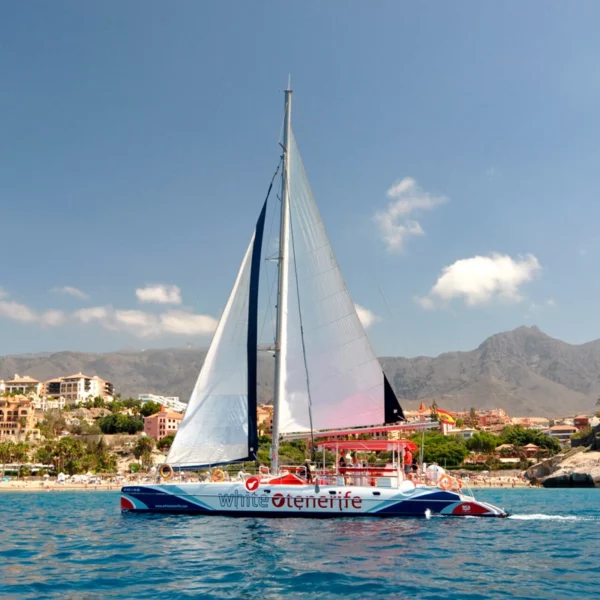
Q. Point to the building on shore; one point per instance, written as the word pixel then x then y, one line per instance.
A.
pixel 79 388
pixel 21 385
pixel 171 402
pixel 264 419
pixel 581 422
pixel 17 418
pixel 162 423
pixel 562 433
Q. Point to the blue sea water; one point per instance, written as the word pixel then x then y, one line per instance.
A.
pixel 77 545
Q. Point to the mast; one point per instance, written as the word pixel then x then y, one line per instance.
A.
pixel 282 283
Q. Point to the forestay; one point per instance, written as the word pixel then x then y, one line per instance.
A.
pixel 219 425
pixel 347 385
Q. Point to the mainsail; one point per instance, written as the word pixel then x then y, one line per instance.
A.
pixel 330 370
pixel 219 425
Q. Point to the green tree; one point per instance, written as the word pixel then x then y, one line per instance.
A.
pixel 473 419
pixel 445 450
pixel 20 455
pixel 69 455
pixel 52 425
pixel 118 423
pixel 150 408
pixel 434 413
pixel 519 436
pixel 46 452
pixel 166 442
pixel 483 441
pixel 6 453
pixel 460 422
pixel 143 450
pixel 132 403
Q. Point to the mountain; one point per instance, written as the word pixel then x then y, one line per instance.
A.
pixel 524 371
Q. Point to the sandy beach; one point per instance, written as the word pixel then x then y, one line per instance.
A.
pixel 53 486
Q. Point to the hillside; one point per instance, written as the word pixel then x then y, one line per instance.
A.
pixel 524 371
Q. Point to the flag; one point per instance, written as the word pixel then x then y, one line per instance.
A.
pixel 445 416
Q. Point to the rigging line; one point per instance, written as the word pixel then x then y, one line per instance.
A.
pixel 312 435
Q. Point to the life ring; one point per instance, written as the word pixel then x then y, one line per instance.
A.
pixel 445 482
pixel 456 485
pixel 166 471
pixel 252 483
pixel 218 476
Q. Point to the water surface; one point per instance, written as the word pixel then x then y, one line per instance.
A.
pixel 77 545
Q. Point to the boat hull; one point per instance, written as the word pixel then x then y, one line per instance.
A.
pixel 235 500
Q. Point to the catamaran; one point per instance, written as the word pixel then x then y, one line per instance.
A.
pixel 327 379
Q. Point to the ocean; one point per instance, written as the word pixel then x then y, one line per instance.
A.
pixel 77 545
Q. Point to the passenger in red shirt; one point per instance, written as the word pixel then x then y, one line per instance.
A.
pixel 408 458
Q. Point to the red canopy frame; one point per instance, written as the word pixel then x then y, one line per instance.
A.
pixel 367 445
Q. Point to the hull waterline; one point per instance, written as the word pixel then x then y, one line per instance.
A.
pixel 234 499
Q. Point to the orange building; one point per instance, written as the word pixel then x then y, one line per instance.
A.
pixel 17 418
pixel 162 423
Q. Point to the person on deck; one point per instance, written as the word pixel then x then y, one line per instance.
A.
pixel 408 458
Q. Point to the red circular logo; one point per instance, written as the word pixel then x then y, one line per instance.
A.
pixel 252 483
pixel 278 500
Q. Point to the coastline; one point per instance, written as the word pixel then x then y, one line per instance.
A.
pixel 40 486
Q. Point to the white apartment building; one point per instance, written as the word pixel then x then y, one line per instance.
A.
pixel 79 388
pixel 171 402
pixel 23 385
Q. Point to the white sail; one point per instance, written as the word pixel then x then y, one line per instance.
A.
pixel 347 385
pixel 219 425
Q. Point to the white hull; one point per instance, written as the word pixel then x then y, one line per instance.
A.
pixel 234 499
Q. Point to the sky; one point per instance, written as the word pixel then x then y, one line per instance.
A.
pixel 452 148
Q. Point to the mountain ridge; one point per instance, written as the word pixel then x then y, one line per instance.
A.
pixel 524 371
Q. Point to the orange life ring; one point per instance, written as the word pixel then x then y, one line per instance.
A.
pixel 456 485
pixel 166 471
pixel 218 476
pixel 445 482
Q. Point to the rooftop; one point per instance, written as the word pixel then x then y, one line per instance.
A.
pixel 25 379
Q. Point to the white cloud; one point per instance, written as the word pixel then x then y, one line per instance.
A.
pixel 551 302
pixel 367 317
pixel 181 322
pixel 96 313
pixel 425 302
pixel 17 312
pixel 159 294
pixel 408 198
pixel 144 324
pixel 480 279
pixel 23 314
pixel 71 291
pixel 52 318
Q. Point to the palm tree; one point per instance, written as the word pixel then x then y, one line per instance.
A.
pixel 143 450
pixel 6 454
pixel 20 455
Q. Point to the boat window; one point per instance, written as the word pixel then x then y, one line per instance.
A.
pixel 332 491
pixel 267 491
pixel 376 493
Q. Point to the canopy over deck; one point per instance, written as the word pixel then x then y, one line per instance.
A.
pixel 367 445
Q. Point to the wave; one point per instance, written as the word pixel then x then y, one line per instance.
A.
pixel 543 517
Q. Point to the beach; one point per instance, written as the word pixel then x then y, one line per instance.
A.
pixel 54 486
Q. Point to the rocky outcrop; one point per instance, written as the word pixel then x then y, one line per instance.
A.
pixel 591 440
pixel 580 467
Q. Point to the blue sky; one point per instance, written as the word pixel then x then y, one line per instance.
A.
pixel 137 140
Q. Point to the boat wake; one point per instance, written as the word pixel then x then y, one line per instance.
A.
pixel 543 517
